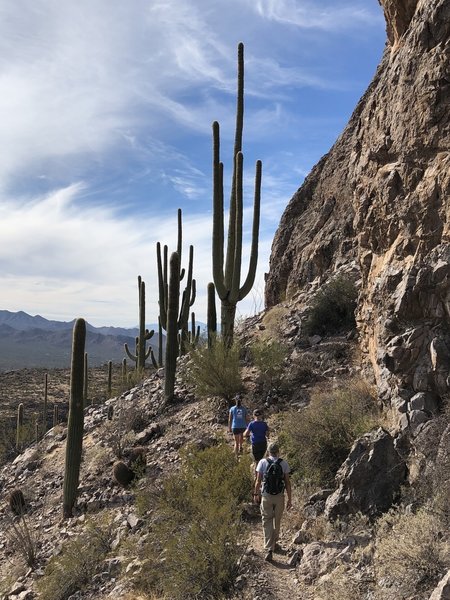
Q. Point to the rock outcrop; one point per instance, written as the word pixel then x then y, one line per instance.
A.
pixel 381 196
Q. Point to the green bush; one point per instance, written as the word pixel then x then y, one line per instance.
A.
pixel 196 534
pixel 412 553
pixel 333 307
pixel 214 371
pixel 318 438
pixel 269 357
pixel 78 562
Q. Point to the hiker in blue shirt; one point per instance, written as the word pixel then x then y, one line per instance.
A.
pixel 258 431
pixel 237 423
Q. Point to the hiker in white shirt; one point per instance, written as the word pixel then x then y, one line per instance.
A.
pixel 272 479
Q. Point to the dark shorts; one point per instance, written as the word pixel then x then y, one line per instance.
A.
pixel 237 430
pixel 258 450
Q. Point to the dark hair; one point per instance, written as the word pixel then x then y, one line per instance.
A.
pixel 238 400
pixel 257 412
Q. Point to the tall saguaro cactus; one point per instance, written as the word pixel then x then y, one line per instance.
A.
pixel 227 276
pixel 173 300
pixel 142 353
pixel 76 420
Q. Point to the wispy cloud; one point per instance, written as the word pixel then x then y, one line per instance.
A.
pixel 324 16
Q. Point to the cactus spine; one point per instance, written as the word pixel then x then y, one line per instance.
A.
pixel 211 318
pixel 142 353
pixel 19 428
pixel 172 327
pixel 76 420
pixel 227 277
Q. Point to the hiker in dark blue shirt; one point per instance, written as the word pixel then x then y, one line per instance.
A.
pixel 237 423
pixel 258 431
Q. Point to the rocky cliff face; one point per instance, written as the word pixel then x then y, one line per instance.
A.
pixel 382 196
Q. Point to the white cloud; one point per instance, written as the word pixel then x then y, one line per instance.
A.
pixel 323 16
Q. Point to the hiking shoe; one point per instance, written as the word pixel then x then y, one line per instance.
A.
pixel 268 556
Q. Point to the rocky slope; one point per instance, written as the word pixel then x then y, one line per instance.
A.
pixel 381 197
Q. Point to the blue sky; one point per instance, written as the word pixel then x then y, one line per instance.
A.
pixel 106 111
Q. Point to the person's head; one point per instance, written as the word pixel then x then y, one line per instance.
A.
pixel 273 449
pixel 238 400
pixel 257 414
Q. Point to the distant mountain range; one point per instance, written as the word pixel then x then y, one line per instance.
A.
pixel 27 342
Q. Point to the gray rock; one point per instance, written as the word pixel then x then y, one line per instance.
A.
pixel 442 592
pixel 369 478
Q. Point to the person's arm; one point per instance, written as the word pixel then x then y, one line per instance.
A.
pixel 287 483
pixel 257 488
pixel 247 431
pixel 229 421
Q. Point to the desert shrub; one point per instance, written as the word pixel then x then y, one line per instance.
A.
pixel 214 371
pixel 269 357
pixel 333 307
pixel 318 438
pixel 200 506
pixel 412 553
pixel 78 562
pixel 24 539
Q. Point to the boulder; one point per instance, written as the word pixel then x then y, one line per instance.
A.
pixel 369 479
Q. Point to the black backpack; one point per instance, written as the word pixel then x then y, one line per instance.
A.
pixel 273 481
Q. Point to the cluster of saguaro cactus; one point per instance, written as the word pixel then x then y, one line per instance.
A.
pixel 227 277
pixel 76 420
pixel 189 293
pixel 141 352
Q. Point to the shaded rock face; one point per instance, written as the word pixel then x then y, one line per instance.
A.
pixel 369 478
pixel 381 196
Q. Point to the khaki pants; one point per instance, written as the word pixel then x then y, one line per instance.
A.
pixel 272 507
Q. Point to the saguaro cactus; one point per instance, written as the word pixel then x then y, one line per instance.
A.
pixel 76 420
pixel 19 428
pixel 45 409
pixel 109 390
pixel 189 293
pixel 142 353
pixel 227 278
pixel 211 318
pixel 85 379
pixel 172 327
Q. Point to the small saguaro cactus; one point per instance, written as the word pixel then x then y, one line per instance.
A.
pixel 17 502
pixel 172 327
pixel 227 277
pixel 124 371
pixel 142 353
pixel 109 390
pixel 55 415
pixel 75 424
pixel 19 428
pixel 189 294
pixel 45 409
pixel 194 334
